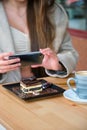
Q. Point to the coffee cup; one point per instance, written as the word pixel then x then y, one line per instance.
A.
pixel 80 80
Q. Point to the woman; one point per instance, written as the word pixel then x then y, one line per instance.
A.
pixel 32 25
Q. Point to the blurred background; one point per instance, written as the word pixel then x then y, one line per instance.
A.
pixel 77 13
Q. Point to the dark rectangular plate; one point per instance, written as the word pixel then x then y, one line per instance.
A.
pixel 53 90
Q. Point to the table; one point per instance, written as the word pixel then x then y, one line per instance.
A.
pixel 55 113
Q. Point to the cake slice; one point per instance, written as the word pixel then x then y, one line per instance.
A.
pixel 31 86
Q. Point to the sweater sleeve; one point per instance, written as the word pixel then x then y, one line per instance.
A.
pixel 63 47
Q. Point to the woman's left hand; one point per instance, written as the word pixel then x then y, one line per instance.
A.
pixel 50 60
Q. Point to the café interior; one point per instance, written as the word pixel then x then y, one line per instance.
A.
pixel 77 14
pixel 56 112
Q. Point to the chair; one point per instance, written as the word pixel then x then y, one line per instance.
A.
pixel 79 40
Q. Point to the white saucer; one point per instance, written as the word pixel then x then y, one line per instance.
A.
pixel 70 95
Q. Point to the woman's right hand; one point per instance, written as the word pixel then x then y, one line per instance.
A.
pixel 7 65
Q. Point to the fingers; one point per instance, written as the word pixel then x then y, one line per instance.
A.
pixel 4 69
pixel 35 66
pixel 50 60
pixel 5 55
pixel 9 62
pixel 7 65
pixel 48 51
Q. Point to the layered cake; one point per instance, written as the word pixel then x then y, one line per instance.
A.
pixel 31 86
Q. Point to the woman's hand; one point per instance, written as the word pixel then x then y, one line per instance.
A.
pixel 7 65
pixel 50 60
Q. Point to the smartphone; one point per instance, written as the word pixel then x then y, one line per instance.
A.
pixel 30 58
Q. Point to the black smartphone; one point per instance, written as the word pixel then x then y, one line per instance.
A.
pixel 30 58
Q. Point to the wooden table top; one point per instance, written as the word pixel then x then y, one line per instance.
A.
pixel 55 113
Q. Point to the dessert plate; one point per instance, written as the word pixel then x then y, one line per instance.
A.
pixel 70 95
pixel 50 91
